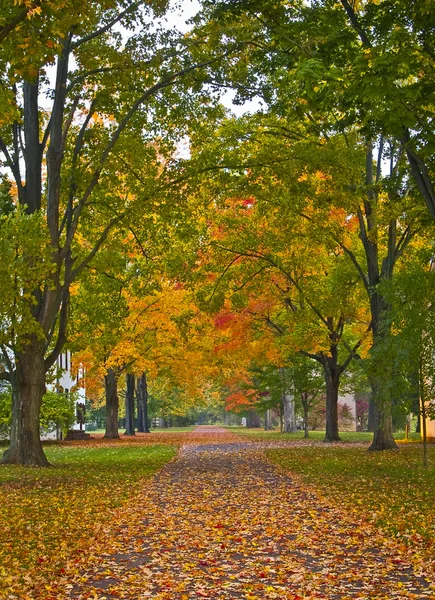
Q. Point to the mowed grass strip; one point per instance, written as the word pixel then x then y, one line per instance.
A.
pixel 389 489
pixel 49 516
pixel 259 434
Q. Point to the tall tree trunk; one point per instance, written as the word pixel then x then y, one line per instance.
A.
pixel 305 406
pixel 289 416
pixel 371 417
pixel 332 379
pixel 267 421
pixel 142 404
pixel 378 271
pixel 288 405
pixel 112 405
pixel 28 388
pixel 422 385
pixel 252 419
pixel 383 438
pixel 331 372
pixel 129 404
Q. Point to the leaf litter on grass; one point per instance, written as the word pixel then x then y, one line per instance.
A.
pixel 221 521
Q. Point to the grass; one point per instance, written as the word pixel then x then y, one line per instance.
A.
pixel 346 436
pixel 49 515
pixel 390 489
pixel 153 430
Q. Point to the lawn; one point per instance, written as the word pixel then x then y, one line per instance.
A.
pixel 153 430
pixel 346 436
pixel 49 516
pixel 389 489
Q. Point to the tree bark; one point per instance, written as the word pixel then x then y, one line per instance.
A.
pixel 371 417
pixel 305 406
pixel 382 417
pixel 129 405
pixel 423 411
pixel 289 416
pixel 112 405
pixel 252 419
pixel 142 404
pixel 288 405
pixel 28 388
pixel 332 378
pixel 267 420
pixel 383 438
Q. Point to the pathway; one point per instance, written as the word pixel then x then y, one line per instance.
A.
pixel 222 522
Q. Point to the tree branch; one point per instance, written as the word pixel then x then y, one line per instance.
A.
pixel 106 27
pixel 356 24
pixel 13 23
pixel 61 336
pixel 163 83
pixel 93 252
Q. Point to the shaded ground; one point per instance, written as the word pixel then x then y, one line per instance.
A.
pixel 221 521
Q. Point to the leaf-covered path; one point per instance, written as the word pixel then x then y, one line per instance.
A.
pixel 220 521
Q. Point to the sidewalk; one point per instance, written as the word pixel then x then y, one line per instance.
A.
pixel 222 522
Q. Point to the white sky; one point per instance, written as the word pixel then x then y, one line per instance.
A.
pixel 177 16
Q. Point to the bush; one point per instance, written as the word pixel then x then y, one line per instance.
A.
pixel 57 412
pixel 5 413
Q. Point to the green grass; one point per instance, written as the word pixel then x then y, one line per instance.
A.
pixel 153 430
pixel 346 436
pixel 392 489
pixel 49 515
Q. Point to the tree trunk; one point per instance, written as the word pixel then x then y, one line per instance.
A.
pixel 383 438
pixel 129 405
pixel 288 405
pixel 28 388
pixel 112 405
pixel 332 378
pixel 371 417
pixel 306 411
pixel 423 411
pixel 142 404
pixel 267 421
pixel 252 419
pixel 289 417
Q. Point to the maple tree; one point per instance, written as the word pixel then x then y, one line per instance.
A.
pixel 61 158
pixel 346 76
pixel 313 302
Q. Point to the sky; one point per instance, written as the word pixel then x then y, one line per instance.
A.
pixel 181 12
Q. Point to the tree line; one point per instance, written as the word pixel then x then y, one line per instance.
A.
pixel 152 231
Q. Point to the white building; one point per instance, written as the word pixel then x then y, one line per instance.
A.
pixel 65 383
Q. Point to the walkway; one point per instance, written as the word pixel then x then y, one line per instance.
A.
pixel 222 522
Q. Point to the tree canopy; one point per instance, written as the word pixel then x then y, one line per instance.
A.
pixel 157 234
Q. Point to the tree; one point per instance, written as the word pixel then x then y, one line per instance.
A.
pixel 346 69
pixel 307 383
pixel 142 404
pixel 413 331
pixel 129 404
pixel 318 310
pixel 71 183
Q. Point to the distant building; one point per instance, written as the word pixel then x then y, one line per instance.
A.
pixel 430 430
pixel 66 383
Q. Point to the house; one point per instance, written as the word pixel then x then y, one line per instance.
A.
pixel 65 383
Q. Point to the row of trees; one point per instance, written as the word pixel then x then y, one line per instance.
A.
pixel 301 231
